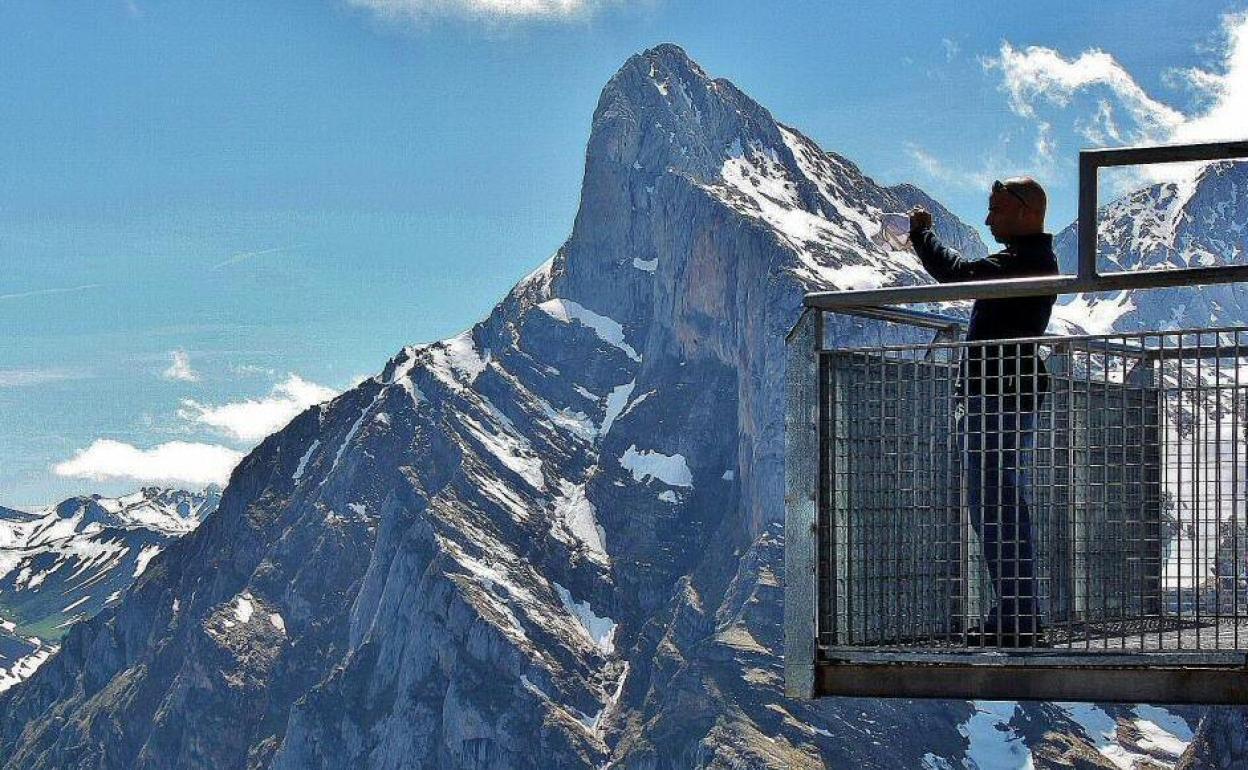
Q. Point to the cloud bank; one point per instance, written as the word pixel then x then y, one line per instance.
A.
pixel 253 419
pixel 191 463
pixel 1098 98
pixel 1042 86
pixel 176 462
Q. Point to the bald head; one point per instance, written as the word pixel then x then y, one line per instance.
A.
pixel 1016 207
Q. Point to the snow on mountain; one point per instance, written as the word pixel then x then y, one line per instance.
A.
pixel 551 541
pixel 1197 223
pixel 64 564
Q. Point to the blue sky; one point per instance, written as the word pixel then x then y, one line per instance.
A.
pixel 214 214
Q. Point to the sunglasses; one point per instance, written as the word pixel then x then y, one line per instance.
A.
pixel 999 186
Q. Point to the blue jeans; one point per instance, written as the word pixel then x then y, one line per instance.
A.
pixel 997 447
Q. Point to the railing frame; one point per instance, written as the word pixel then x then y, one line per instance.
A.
pixel 1088 279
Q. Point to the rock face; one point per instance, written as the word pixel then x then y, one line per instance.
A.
pixel 551 541
pixel 66 563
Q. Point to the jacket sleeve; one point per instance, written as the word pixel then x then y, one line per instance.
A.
pixel 947 265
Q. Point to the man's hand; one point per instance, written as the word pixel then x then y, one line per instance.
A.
pixel 920 219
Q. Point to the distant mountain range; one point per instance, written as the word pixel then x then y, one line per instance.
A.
pixel 554 540
pixel 64 564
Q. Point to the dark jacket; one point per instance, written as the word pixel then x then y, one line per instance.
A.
pixel 1011 370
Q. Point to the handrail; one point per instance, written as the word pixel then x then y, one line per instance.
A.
pixel 1026 287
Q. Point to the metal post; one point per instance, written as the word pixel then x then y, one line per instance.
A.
pixel 1087 216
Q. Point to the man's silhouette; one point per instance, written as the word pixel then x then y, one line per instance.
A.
pixel 1003 386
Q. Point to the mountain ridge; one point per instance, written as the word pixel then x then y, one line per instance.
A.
pixel 65 562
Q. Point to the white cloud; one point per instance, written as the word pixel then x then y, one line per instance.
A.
pixel 253 370
pixel 171 462
pixel 243 256
pixel 1226 91
pixel 17 378
pixel 253 419
pixel 1042 85
pixel 48 292
pixel 180 369
pixel 483 9
pixel 1038 74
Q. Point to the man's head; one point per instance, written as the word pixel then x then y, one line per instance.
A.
pixel 1016 208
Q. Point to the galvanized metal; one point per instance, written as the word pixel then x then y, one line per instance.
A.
pixel 1177 685
pixel 801 504
pixel 1117 532
pixel 1166 153
pixel 1025 287
pixel 1137 482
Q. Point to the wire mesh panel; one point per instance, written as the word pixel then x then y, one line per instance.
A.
pixel 1081 493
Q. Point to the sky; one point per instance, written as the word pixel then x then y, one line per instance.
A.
pixel 213 215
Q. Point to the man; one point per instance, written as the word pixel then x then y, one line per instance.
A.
pixel 1003 386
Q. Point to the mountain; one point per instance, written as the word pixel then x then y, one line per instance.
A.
pixel 64 564
pixel 1193 223
pixel 555 539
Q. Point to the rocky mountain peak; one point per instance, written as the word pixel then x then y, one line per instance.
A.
pixel 549 541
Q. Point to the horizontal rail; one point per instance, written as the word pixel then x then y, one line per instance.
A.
pixel 1111 343
pixel 1026 287
pixel 1167 153
pixel 918 318
pixel 1206 685
pixel 1037 658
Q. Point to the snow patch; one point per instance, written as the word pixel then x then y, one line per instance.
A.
pixel 669 469
pixel 276 621
pixel 23 667
pixel 1094 314
pixel 608 330
pixel 647 265
pixel 599 629
pixel 1162 734
pixel 635 403
pixel 243 608
pixel 303 461
pixel 511 449
pixel 455 361
pixel 346 441
pixel 76 603
pixel 146 555
pixel 617 399
pixel 574 516
pixel 933 762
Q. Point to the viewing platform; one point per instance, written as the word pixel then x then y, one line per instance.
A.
pixel 1130 582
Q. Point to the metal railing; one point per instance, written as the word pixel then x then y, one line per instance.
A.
pixel 1112 523
pixel 1056 518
